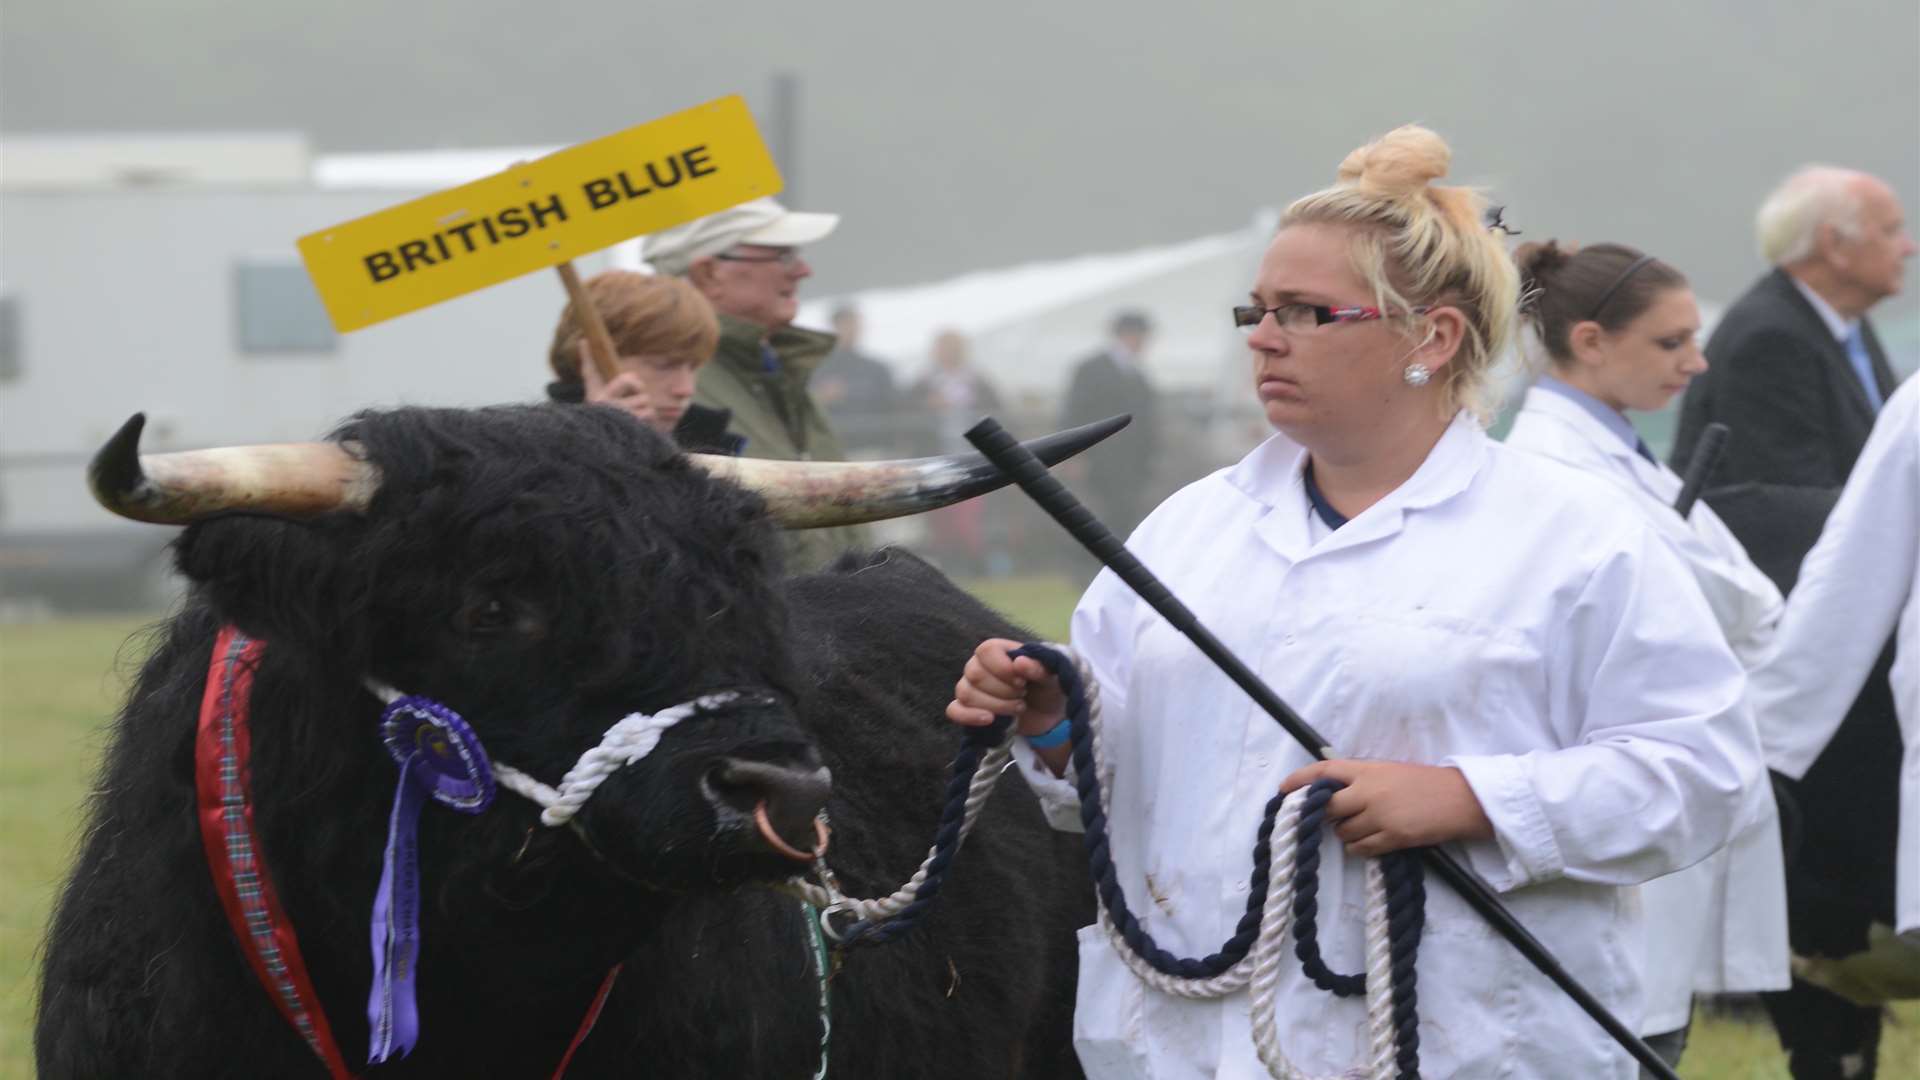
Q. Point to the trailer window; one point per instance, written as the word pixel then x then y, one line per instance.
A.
pixel 9 337
pixel 279 312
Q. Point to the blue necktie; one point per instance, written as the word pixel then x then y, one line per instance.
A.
pixel 1863 365
pixel 1640 447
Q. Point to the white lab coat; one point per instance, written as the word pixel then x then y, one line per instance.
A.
pixel 1855 586
pixel 1496 613
pixel 1697 940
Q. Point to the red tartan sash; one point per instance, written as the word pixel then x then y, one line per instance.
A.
pixel 224 787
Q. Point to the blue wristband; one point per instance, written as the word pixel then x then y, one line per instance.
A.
pixel 1053 736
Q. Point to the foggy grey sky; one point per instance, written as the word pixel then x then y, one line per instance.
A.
pixel 966 136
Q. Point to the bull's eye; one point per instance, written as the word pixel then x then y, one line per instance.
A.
pixel 485 615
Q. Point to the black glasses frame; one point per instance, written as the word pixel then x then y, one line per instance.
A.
pixel 787 257
pixel 1247 316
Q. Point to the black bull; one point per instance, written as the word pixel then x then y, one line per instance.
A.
pixel 545 572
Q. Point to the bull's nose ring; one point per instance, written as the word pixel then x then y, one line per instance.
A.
pixel 820 831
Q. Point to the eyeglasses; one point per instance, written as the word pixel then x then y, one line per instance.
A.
pixel 786 257
pixel 1297 317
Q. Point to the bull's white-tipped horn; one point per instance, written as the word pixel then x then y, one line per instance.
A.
pixel 286 480
pixel 816 494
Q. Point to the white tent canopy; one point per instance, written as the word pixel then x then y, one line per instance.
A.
pixel 418 170
pixel 1029 324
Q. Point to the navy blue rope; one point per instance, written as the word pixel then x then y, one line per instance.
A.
pixel 1106 882
pixel 1306 896
pixel 1405 882
pixel 1405 878
pixel 1406 919
pixel 946 839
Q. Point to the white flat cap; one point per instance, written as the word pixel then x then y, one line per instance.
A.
pixel 762 221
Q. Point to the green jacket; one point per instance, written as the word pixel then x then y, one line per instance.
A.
pixel 778 418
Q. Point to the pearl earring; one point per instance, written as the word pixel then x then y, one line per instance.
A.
pixel 1417 374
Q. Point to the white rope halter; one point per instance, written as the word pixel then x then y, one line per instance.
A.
pixel 631 738
pixel 831 901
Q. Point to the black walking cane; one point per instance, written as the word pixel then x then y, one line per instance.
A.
pixel 1706 454
pixel 1004 451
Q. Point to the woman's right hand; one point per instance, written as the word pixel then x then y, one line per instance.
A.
pixel 995 684
pixel 625 390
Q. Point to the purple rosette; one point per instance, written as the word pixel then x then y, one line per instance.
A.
pixel 440 758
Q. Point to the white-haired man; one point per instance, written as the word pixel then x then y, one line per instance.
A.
pixel 746 261
pixel 1797 371
pixel 1797 374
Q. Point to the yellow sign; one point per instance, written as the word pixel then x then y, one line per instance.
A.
pixel 540 213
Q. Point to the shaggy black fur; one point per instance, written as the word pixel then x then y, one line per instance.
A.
pixel 545 571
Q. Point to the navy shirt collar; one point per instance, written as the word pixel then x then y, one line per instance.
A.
pixel 1329 517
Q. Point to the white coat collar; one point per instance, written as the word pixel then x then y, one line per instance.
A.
pixel 1272 474
pixel 1548 407
pixel 1602 413
pixel 1554 406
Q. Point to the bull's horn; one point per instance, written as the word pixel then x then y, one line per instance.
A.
pixel 286 480
pixel 815 494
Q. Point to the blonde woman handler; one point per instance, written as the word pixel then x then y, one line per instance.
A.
pixel 1511 665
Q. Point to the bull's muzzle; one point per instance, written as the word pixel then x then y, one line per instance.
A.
pixel 784 801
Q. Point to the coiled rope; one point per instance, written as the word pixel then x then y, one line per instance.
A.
pixel 1282 893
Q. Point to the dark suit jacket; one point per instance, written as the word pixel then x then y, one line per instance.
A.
pixel 1797 415
pixel 1797 418
pixel 1103 387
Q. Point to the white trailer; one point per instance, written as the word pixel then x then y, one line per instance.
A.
pixel 160 276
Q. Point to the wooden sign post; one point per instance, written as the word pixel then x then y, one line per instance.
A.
pixel 606 359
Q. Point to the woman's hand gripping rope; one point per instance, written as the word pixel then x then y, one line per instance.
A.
pixel 1388 806
pixel 995 683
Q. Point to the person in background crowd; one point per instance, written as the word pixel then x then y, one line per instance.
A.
pixel 746 261
pixel 953 394
pixel 950 398
pixel 1621 332
pixel 1118 474
pixel 858 391
pixel 1797 375
pixel 1512 665
pixel 1798 371
pixel 663 331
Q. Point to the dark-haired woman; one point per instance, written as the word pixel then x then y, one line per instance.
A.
pixel 1621 334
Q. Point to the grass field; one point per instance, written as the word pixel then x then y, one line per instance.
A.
pixel 60 680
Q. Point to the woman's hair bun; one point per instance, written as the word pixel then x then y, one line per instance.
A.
pixel 1539 260
pixel 1400 163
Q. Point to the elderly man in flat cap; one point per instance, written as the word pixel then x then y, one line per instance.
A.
pixel 746 261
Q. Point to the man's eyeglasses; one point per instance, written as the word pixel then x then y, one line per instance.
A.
pixel 786 257
pixel 1296 317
